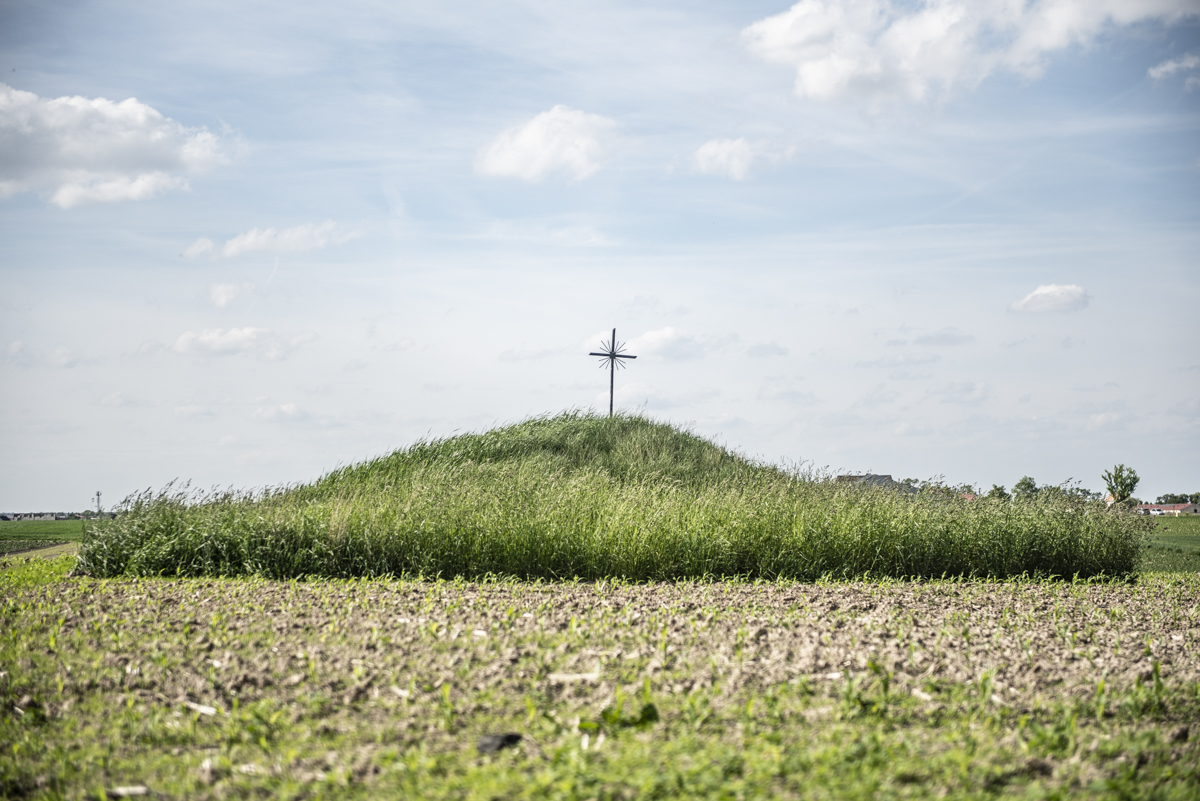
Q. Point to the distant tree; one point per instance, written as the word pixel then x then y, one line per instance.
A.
pixel 1025 488
pixel 1069 490
pixel 1121 481
pixel 1172 497
pixel 997 492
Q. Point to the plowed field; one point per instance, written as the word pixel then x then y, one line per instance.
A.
pixel 213 689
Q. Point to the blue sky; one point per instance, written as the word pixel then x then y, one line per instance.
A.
pixel 241 244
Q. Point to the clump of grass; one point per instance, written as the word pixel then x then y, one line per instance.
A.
pixel 584 496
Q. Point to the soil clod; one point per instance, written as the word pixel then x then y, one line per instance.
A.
pixel 491 743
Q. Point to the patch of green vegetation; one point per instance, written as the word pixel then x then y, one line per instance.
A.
pixel 57 530
pixel 594 497
pixel 213 689
pixel 1185 529
pixel 16 546
pixel 1174 545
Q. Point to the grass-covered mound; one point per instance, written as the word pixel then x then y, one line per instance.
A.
pixel 585 496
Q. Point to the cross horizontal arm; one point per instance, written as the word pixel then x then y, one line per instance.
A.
pixel 599 354
pixel 623 356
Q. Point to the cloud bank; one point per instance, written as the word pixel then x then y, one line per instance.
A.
pixel 876 50
pixel 561 141
pixel 78 150
pixel 1052 298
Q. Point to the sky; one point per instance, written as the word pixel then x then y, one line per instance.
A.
pixel 242 244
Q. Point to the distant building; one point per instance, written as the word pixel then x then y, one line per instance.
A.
pixel 1172 509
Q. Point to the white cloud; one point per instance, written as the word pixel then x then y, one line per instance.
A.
pixel 310 236
pixel 1168 68
pixel 197 248
pixel 221 295
pixel 668 343
pixel 1052 298
pixel 80 150
pixel 883 49
pixel 729 157
pixel 559 141
pixel 262 342
pixel 219 341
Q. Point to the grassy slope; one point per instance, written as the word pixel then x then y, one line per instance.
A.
pixel 586 496
pixel 216 689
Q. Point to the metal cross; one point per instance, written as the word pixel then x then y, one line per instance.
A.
pixel 612 355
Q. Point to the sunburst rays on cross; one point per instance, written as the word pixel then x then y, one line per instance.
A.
pixel 612 355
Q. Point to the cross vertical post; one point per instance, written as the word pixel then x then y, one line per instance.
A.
pixel 612 355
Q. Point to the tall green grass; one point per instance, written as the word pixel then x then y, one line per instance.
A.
pixel 584 496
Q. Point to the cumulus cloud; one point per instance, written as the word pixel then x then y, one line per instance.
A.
pixel 261 342
pixel 1168 68
pixel 1052 298
pixel 198 248
pixel 310 236
pixel 78 150
pixel 735 158
pixel 1185 64
pixel 219 341
pixel 925 50
pixel 561 141
pixel 728 157
pixel 221 295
